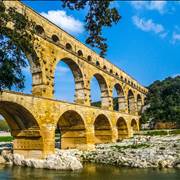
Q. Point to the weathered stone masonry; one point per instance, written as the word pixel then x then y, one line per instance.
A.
pixel 34 118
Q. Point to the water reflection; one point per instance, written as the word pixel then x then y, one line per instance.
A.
pixel 90 172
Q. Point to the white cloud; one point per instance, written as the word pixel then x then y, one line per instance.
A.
pixel 150 5
pixel 61 19
pixel 149 26
pixel 175 37
pixel 62 70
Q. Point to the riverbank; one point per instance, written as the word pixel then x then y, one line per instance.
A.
pixel 137 152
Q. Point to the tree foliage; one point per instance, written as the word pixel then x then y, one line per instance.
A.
pixel 163 101
pixel 13 42
pixel 99 15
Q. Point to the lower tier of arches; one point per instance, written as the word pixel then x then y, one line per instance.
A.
pixel 38 124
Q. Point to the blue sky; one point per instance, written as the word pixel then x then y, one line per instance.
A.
pixel 145 43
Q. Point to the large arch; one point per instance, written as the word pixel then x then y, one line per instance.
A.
pixel 72 130
pixel 139 103
pixel 131 102
pixel 121 101
pixel 134 125
pixel 102 129
pixel 122 128
pixel 104 90
pixel 78 79
pixel 24 128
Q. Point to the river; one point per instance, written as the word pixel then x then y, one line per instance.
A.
pixel 89 172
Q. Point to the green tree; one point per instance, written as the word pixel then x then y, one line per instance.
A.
pixel 100 14
pixel 163 101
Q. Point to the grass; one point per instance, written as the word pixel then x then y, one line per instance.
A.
pixel 160 132
pixel 6 138
pixel 133 146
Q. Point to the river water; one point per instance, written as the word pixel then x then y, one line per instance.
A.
pixel 90 172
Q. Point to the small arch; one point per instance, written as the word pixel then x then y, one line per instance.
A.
pixel 131 102
pixel 55 38
pixel 111 71
pixel 89 58
pixel 120 103
pixel 139 103
pixel 39 29
pixel 116 74
pixel 104 67
pixel 80 53
pixel 122 128
pixel 102 129
pixel 97 63
pixel 70 130
pixel 68 46
pixel 134 125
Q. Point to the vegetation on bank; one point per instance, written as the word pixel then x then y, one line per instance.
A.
pixel 4 126
pixel 159 132
pixel 163 101
pixel 6 138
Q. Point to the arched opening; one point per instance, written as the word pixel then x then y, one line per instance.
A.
pixel 111 71
pixel 70 132
pixel 68 46
pixel 122 128
pixel 23 128
pixel 99 92
pixel 80 53
pixel 104 67
pixel 134 125
pixel 89 58
pixel 102 129
pixel 139 103
pixel 131 102
pixel 97 63
pixel 68 82
pixel 119 102
pixel 55 38
pixel 39 30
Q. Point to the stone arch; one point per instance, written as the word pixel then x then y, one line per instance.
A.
pixel 27 139
pixel 139 103
pixel 121 97
pixel 131 102
pixel 102 129
pixel 122 128
pixel 68 46
pixel 80 53
pixel 78 79
pixel 71 127
pixel 89 58
pixel 134 125
pixel 17 117
pixel 55 38
pixel 39 30
pixel 104 90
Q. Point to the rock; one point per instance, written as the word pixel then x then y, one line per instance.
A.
pixel 2 160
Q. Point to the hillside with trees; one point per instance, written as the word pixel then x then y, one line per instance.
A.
pixel 163 101
pixel 3 125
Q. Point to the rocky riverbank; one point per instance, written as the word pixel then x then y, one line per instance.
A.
pixel 137 152
pixel 61 160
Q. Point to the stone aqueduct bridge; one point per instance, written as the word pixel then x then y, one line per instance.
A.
pixel 34 118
